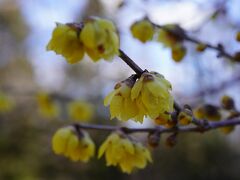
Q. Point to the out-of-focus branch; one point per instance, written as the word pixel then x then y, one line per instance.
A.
pixel 212 90
pixel 183 35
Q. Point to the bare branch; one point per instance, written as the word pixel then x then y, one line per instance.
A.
pixel 159 129
pixel 182 34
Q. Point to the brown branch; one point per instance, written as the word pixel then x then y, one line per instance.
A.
pixel 182 34
pixel 159 129
pixel 130 63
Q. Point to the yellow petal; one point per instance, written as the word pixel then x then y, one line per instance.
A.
pixel 115 106
pixel 136 89
pixel 60 139
pixel 109 97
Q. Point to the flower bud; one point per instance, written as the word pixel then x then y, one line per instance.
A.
pixel 227 102
pixel 178 52
pixel 171 140
pixel 153 139
pixel 201 47
pixel 185 117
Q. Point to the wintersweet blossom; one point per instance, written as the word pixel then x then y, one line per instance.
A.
pixel 121 151
pixel 76 147
pixel 143 30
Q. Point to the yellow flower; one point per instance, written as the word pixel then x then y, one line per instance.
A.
pixel 76 147
pixel 121 104
pixel 47 107
pixel 65 41
pixel 142 30
pixel 80 110
pixel 100 39
pixel 6 104
pixel 168 38
pixel 128 155
pixel 151 93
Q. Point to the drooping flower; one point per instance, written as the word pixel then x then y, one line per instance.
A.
pixel 121 104
pixel 142 30
pixel 80 110
pixel 72 145
pixel 121 151
pixel 152 95
pixel 97 37
pixel 100 39
pixel 65 41
pixel 47 107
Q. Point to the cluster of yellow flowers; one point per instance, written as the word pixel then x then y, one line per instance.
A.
pixel 149 96
pixel 97 37
pixel 76 146
pixel 144 31
pixel 134 98
pixel 121 151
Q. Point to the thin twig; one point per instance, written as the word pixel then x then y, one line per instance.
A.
pixel 198 129
pixel 182 34
pixel 139 72
pixel 130 63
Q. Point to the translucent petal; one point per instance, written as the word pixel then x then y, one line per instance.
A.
pixel 136 89
pixel 116 106
pixel 88 35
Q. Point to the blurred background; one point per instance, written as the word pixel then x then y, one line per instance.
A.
pixel 26 69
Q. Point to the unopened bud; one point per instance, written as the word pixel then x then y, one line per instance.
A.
pixel 153 140
pixel 201 47
pixel 227 102
pixel 171 140
pixel 185 117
